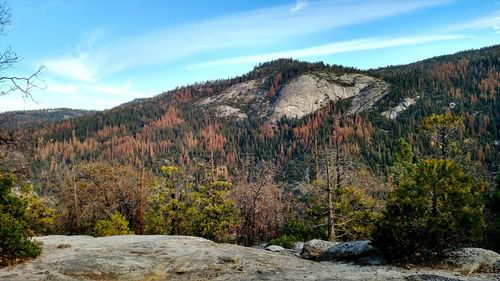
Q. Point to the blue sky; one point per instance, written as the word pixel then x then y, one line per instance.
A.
pixel 99 54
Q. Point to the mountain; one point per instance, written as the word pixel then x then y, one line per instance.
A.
pixel 17 119
pixel 303 95
pixel 281 109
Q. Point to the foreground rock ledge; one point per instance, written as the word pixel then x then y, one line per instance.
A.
pixel 162 257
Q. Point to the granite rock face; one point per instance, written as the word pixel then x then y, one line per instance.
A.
pixel 349 251
pixel 298 98
pixel 308 93
pixel 161 257
pixel 393 113
pixel 469 260
pixel 314 249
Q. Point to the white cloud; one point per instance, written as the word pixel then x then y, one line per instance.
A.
pixel 125 90
pixel 334 48
pixel 491 21
pixel 77 68
pixel 112 90
pixel 13 102
pixel 299 5
pixel 89 68
pixel 261 28
pixel 62 88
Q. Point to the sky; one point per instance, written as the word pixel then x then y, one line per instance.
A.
pixel 98 54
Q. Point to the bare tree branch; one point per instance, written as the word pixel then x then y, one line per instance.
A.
pixel 9 84
pixel 24 85
pixel 4 16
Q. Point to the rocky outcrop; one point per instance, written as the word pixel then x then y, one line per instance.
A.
pixel 394 112
pixel 161 257
pixel 243 92
pixel 274 248
pixel 299 97
pixel 430 277
pixel 361 252
pixel 469 260
pixel 298 247
pixel 229 111
pixel 367 98
pixel 310 92
pixel 349 251
pixel 314 249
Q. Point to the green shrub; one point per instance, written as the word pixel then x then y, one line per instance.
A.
pixel 302 232
pixel 285 241
pixel 15 244
pixel 180 206
pixel 40 217
pixel 434 208
pixel 493 231
pixel 116 225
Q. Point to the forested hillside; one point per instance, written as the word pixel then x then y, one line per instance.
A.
pixel 288 152
pixel 31 118
pixel 174 127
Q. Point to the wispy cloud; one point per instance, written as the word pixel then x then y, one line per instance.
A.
pixel 77 67
pixel 126 89
pixel 491 21
pixel 264 27
pixel 299 5
pixel 58 88
pixel 334 48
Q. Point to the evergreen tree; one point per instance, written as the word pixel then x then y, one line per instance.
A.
pixel 117 224
pixel 493 230
pixel 15 243
pixel 436 207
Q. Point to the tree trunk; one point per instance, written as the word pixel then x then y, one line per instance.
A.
pixel 331 228
pixel 140 211
pixel 75 201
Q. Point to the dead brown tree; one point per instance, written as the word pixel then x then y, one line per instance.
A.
pixel 260 201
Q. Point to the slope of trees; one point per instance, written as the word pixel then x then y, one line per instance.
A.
pixel 163 165
pixel 170 126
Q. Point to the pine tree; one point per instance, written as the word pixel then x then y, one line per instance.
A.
pixel 434 208
pixel 15 244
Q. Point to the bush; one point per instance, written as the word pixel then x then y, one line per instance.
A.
pixel 493 231
pixel 285 241
pixel 116 225
pixel 297 230
pixel 180 206
pixel 15 244
pixel 434 208
pixel 302 231
pixel 40 216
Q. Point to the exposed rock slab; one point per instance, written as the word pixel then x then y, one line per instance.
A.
pixel 229 111
pixel 430 277
pixel 314 249
pixel 274 248
pixel 349 251
pixel 468 260
pixel 242 92
pixel 394 112
pixel 298 98
pixel 188 258
pixel 310 92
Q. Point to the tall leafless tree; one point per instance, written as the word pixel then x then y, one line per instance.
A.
pixel 260 201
